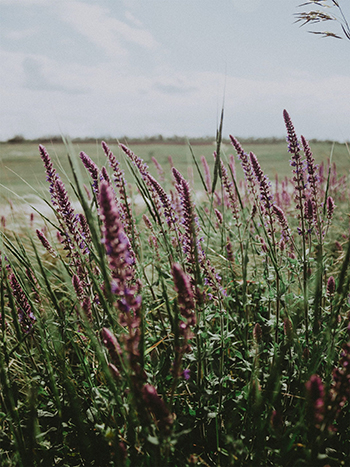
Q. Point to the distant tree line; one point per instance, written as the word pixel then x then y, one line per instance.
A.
pixel 157 139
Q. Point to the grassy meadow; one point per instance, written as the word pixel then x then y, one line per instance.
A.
pixel 21 161
pixel 206 324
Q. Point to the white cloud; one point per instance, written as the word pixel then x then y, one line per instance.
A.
pixel 37 92
pixel 129 16
pixel 19 34
pixel 97 25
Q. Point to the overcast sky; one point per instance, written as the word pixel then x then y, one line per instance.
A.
pixel 146 67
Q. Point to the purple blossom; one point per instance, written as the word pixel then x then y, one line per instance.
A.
pixel 281 217
pixel 219 216
pixel 157 406
pixel 92 169
pixel 340 390
pixel 229 250
pixel 264 185
pixel 331 286
pixel 330 208
pixel 257 333
pixel 104 175
pixel 169 213
pixel 230 191
pixel 45 243
pixel 51 174
pixel 25 313
pixel 159 168
pixel 112 345
pixel 78 287
pixel 245 163
pixel 183 288
pixel 120 183
pixel 315 394
pixel 116 242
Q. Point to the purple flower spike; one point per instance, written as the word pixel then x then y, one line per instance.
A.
pixel 281 217
pixel 331 286
pixel 159 168
pixel 292 139
pixel 330 208
pixel 157 406
pixel 78 287
pixel 262 180
pixel 51 175
pixel 116 242
pixel 112 345
pixel 45 243
pixel 257 333
pixel 120 183
pixel 183 288
pixel 164 199
pixel 25 314
pixel 92 169
pixel 315 393
pixel 245 163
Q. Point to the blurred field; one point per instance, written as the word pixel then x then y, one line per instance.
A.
pixel 22 172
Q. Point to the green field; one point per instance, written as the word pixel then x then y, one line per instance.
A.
pixel 22 172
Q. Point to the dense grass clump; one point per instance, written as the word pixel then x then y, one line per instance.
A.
pixel 208 333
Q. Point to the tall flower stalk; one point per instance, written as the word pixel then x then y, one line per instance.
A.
pixel 300 186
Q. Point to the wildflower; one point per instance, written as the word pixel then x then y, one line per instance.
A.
pixel 230 191
pixel 219 216
pixel 315 394
pixel 120 183
pixel 282 221
pixel 164 199
pixel 86 307
pixel 264 184
pixel 340 390
pixel 51 174
pixel 105 176
pixel 159 168
pixel 92 169
pixel 312 177
pixel 78 287
pixel 25 313
pixel 157 406
pixel 245 163
pixel 116 242
pixel 229 250
pixel 331 286
pixel 183 289
pixel 186 374
pixel 257 333
pixel 147 222
pixel 296 163
pixel 330 208
pixel 110 342
pixel 45 243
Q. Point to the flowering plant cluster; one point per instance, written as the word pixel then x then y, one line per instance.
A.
pixel 206 327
